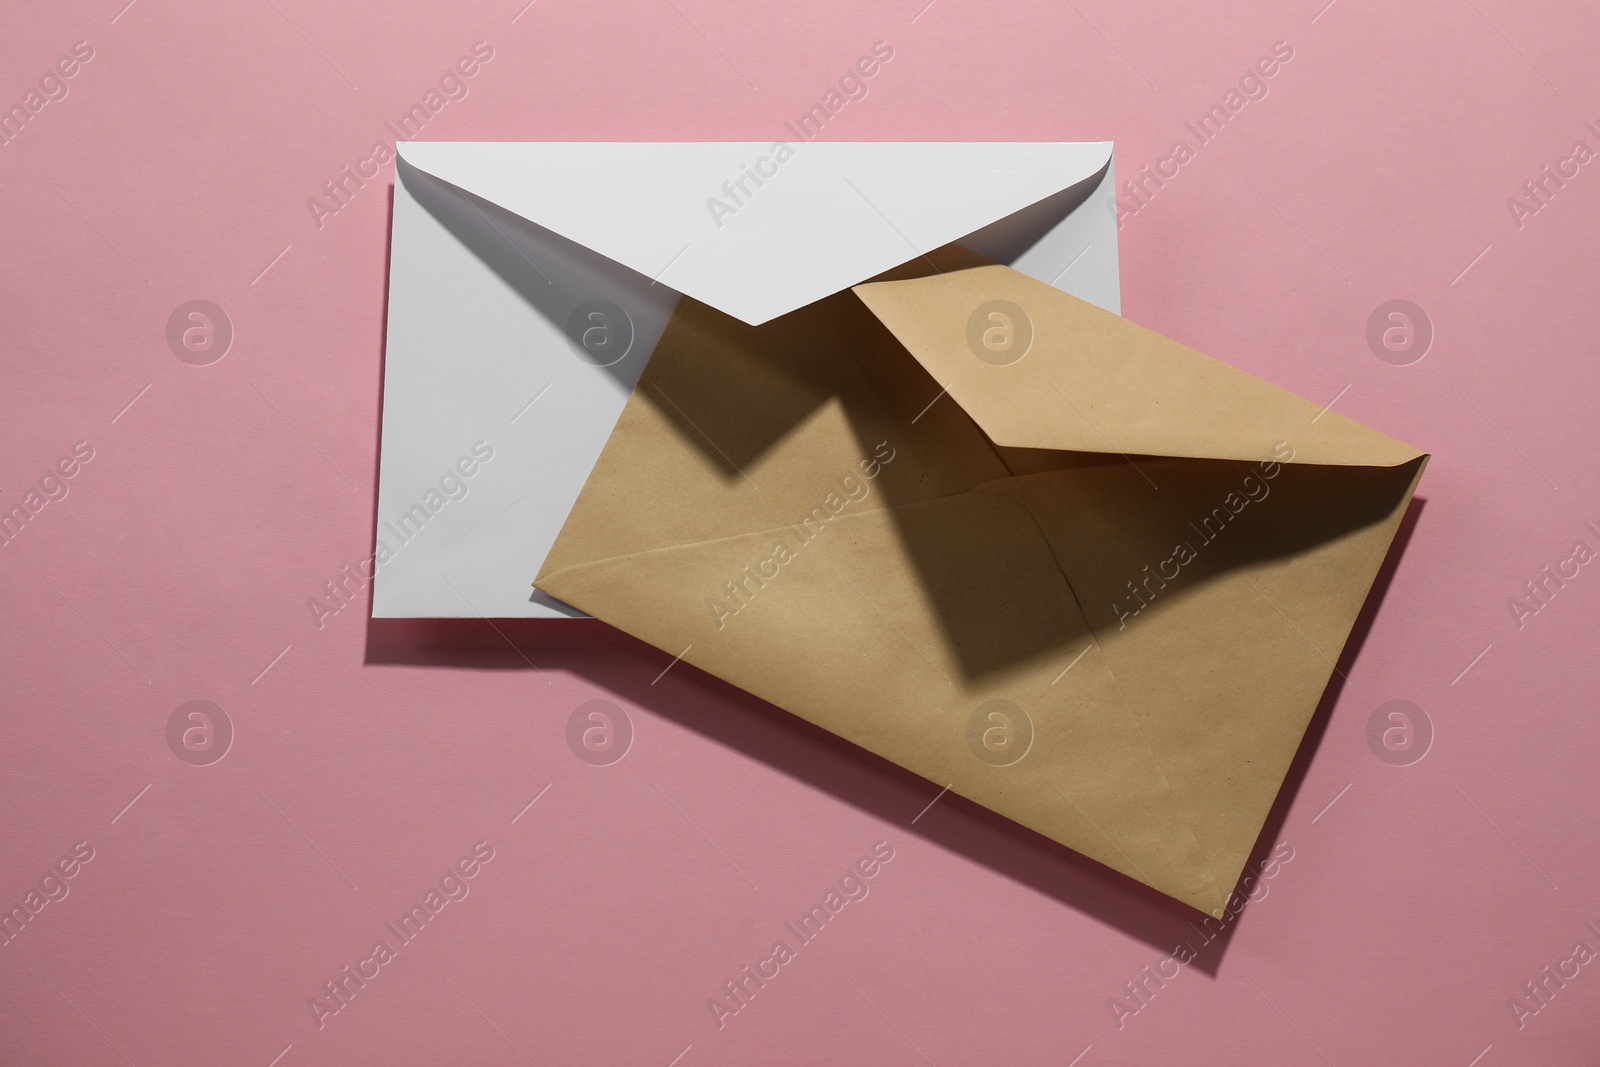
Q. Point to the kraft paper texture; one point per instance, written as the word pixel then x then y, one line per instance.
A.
pixel 1081 574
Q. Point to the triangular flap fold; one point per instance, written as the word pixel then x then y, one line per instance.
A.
pixel 1039 368
pixel 759 229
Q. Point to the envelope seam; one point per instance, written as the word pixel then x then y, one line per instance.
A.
pixel 749 533
pixel 1188 819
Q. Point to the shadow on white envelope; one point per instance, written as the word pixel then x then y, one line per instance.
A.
pixel 530 283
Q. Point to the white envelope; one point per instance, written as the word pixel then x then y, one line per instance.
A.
pixel 530 282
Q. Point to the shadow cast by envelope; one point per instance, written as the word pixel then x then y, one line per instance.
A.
pixel 740 396
pixel 1006 240
pixel 1325 503
pixel 722 713
pixel 515 248
pixel 1272 830
pixel 614 661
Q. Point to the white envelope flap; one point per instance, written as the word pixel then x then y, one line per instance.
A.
pixel 758 229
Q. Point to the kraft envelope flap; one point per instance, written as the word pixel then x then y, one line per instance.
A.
pixel 1289 590
pixel 850 635
pixel 1092 381
pixel 911 601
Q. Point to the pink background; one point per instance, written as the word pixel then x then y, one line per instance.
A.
pixel 368 758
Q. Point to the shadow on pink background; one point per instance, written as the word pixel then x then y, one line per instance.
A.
pixel 369 759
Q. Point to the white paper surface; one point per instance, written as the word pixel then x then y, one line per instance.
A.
pixel 484 285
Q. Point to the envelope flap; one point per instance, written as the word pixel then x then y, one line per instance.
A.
pixel 759 229
pixel 781 506
pixel 1038 368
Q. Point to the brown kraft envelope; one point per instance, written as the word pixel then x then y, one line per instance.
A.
pixel 1081 574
